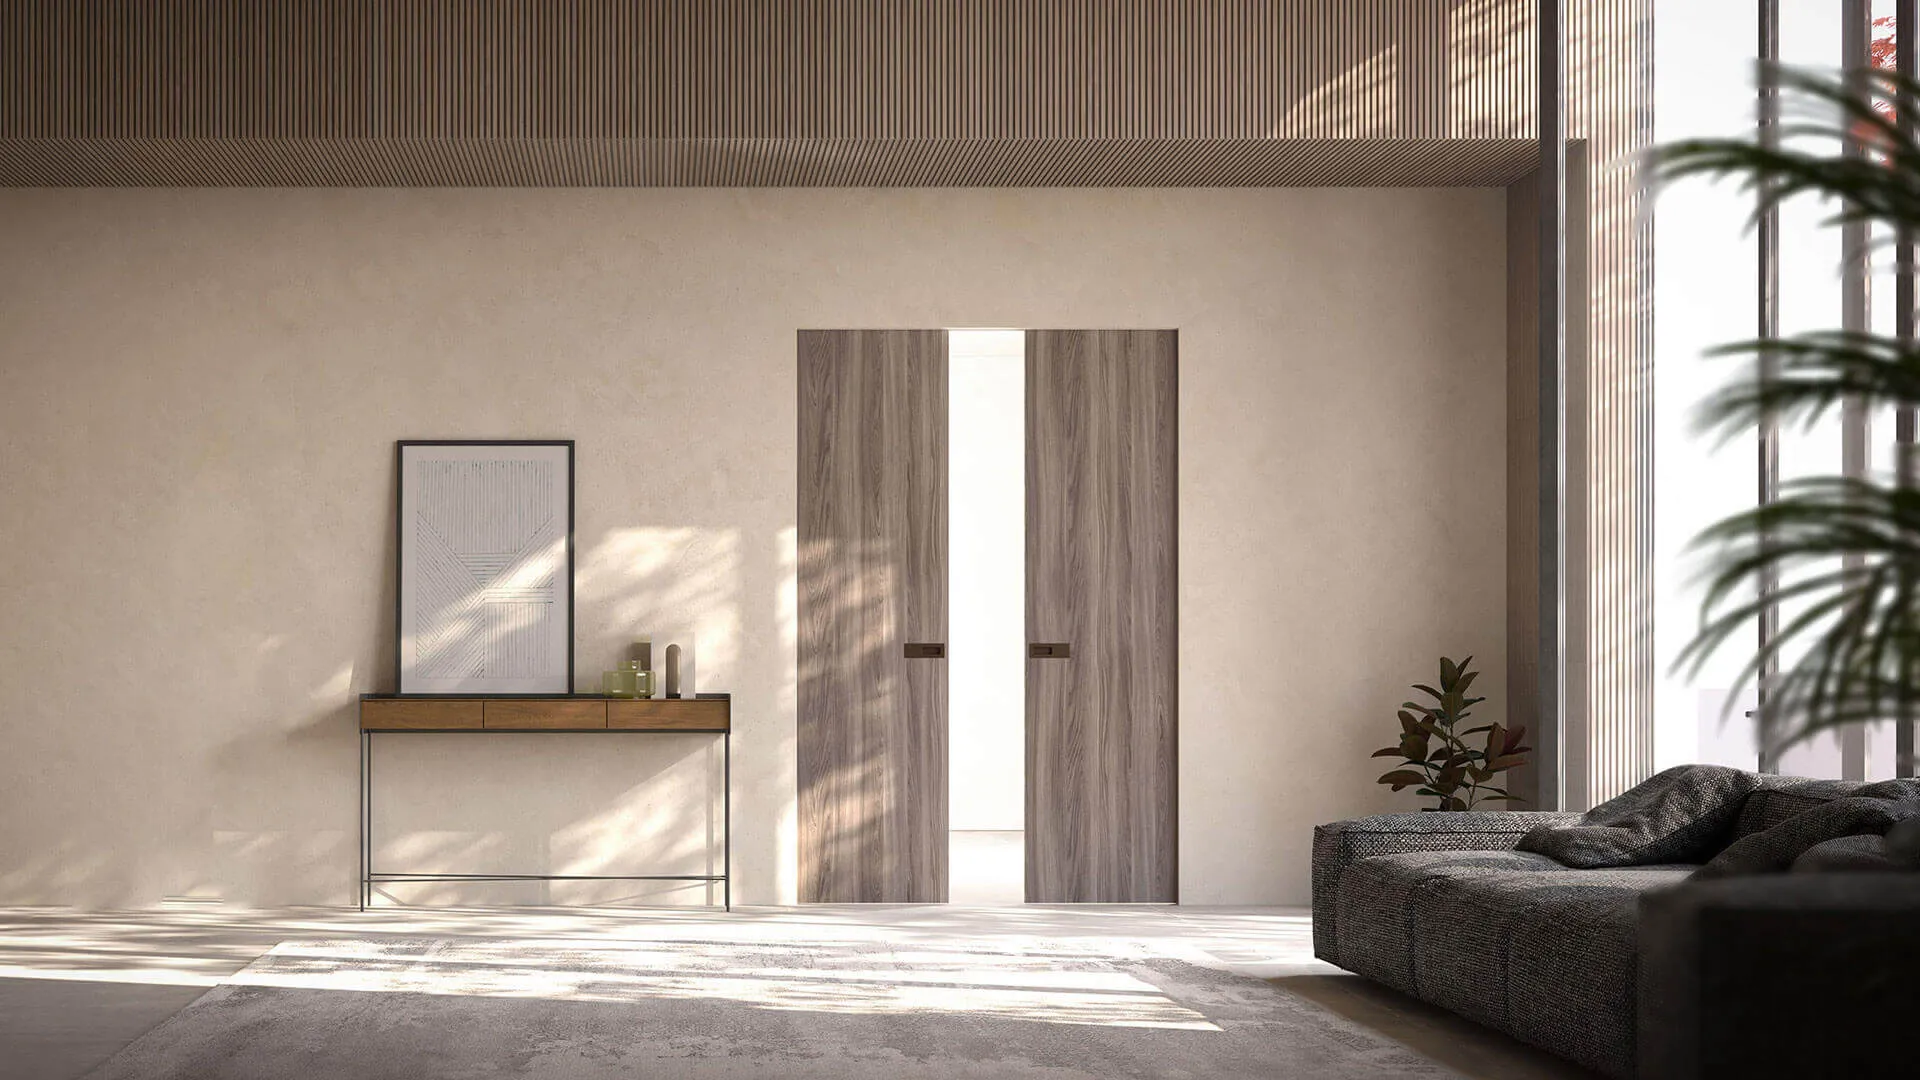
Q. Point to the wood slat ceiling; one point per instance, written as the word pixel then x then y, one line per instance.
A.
pixel 764 92
pixel 762 163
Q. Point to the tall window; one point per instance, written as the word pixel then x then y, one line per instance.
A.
pixel 1707 277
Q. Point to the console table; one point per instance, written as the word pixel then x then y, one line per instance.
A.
pixel 454 714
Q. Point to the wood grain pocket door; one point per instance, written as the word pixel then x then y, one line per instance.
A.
pixel 1102 696
pixel 872 581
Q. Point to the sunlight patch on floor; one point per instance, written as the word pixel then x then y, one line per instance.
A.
pixel 149 976
pixel 1017 987
pixel 202 948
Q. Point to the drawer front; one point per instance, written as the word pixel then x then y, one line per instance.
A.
pixel 402 715
pixel 667 714
pixel 535 714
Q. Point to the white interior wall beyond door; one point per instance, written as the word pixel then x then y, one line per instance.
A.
pixel 986 666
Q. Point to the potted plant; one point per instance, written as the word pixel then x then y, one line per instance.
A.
pixel 1435 751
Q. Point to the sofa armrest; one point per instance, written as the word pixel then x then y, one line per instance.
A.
pixel 1779 975
pixel 1342 843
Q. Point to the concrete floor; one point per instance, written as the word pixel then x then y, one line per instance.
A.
pixel 76 987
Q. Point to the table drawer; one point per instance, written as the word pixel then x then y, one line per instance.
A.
pixel 535 714
pixel 401 715
pixel 668 714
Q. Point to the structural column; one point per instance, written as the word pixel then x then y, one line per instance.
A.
pixel 1907 62
pixel 1856 316
pixel 1551 665
pixel 1768 286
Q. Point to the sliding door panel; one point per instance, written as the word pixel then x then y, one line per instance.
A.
pixel 1101 606
pixel 872 720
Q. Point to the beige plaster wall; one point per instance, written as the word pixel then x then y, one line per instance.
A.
pixel 199 391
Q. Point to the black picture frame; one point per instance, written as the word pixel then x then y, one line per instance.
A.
pixel 400 450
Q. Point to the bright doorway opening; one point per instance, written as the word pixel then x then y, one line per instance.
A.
pixel 986 607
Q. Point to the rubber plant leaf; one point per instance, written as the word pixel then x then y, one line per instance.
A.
pixel 1401 778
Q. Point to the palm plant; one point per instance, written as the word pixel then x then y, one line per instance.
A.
pixel 1856 629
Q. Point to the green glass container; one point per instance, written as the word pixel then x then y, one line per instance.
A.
pixel 630 680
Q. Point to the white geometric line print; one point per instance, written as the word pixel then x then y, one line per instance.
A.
pixel 489 552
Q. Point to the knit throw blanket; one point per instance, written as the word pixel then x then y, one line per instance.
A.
pixel 1685 815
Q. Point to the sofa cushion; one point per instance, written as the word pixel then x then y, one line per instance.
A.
pixel 1787 975
pixel 1340 844
pixel 1571 962
pixel 1681 815
pixel 1510 939
pixel 1374 912
pixel 1461 927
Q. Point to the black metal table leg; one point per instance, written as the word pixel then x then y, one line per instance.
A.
pixel 369 878
pixel 366 817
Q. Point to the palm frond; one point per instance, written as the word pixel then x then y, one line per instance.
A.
pixel 1850 653
pixel 1820 110
pixel 1796 381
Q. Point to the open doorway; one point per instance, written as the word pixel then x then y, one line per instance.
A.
pixel 986 607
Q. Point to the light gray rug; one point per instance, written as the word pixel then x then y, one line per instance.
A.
pixel 1065 1009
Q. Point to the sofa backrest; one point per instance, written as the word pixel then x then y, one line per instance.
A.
pixel 1781 797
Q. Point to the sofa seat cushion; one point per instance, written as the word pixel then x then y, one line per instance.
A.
pixel 1512 940
pixel 1374 911
pixel 1572 962
pixel 1340 844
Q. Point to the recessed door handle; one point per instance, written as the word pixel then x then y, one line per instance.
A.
pixel 926 650
pixel 1049 650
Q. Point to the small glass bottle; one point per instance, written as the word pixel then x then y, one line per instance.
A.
pixel 629 680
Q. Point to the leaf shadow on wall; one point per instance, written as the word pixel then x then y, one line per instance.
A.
pixel 526 804
pixel 855 766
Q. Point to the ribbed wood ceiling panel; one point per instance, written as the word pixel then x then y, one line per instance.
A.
pixel 763 92
pixel 762 163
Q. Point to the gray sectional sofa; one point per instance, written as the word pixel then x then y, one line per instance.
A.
pixel 1634 970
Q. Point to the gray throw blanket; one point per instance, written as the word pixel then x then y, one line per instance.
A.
pixel 1862 854
pixel 1686 815
pixel 1871 811
pixel 1681 815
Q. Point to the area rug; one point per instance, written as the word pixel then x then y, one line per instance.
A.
pixel 1069 1009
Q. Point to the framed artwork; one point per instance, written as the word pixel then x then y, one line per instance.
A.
pixel 485 567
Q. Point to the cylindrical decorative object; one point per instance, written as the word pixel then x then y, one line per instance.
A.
pixel 673 671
